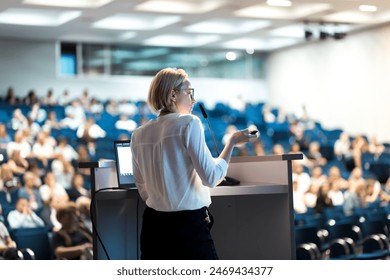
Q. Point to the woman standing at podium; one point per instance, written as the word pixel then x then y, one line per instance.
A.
pixel 174 169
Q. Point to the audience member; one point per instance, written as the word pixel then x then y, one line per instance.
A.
pixel 298 199
pixel 11 98
pixel 52 189
pixel 124 123
pixel 63 171
pixel 30 192
pixel 323 199
pixel 375 148
pixel 49 212
pixel 385 193
pixel 65 99
pixel 301 177
pixel 52 122
pixel 310 197
pixel 43 150
pixel 19 143
pixel 4 138
pixel 6 242
pixel 17 163
pixel 50 99
pixel 18 120
pixel 334 177
pixel 23 216
pixel 317 178
pixel 73 241
pixel 277 149
pixel 314 154
pixel 354 197
pixel 78 189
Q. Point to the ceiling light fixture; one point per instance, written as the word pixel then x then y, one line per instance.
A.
pixel 279 3
pixel 368 8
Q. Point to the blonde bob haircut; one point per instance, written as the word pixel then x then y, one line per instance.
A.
pixel 161 87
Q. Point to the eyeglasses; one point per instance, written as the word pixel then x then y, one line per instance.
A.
pixel 189 91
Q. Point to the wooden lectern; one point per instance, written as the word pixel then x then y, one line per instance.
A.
pixel 253 221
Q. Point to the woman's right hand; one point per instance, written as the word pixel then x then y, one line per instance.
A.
pixel 242 137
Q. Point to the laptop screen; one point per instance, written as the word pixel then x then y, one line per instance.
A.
pixel 124 164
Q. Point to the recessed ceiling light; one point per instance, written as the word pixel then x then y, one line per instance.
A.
pixel 135 22
pixel 368 8
pixel 69 3
pixel 174 40
pixel 231 26
pixel 179 6
pixel 271 12
pixel 37 17
pixel 231 56
pixel 266 44
pixel 279 3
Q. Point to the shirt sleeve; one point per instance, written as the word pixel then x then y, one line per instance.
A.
pixel 210 170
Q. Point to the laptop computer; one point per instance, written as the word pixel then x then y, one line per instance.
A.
pixel 124 164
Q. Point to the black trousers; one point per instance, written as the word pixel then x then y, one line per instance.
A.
pixel 181 235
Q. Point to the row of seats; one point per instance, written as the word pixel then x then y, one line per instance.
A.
pixel 364 235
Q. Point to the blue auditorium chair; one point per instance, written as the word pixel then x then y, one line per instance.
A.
pixel 37 239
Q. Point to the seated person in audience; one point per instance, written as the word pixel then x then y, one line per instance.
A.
pixel 78 189
pixel 52 121
pixel 344 152
pixel 83 205
pixel 317 178
pixel 64 99
pixel 373 191
pixel 4 138
pixel 125 123
pixel 314 154
pixel 89 132
pixel 301 177
pixel 310 197
pixel 49 211
pixel 125 106
pixel 8 181
pixel 298 198
pixel 17 163
pixel 354 197
pixel 359 146
pixel 52 189
pixel 76 114
pixel 295 148
pixel 30 191
pixel 385 193
pixel 50 99
pixel 277 149
pixel 96 107
pixel 6 242
pixel 356 176
pixel 37 114
pixel 63 171
pixel 11 98
pixel 64 149
pixel 18 121
pixel 375 148
pixel 335 177
pixel 298 132
pixel 19 143
pixel 323 199
pixel 112 107
pixel 335 194
pixel 73 241
pixel 83 156
pixel 42 150
pixel 23 216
